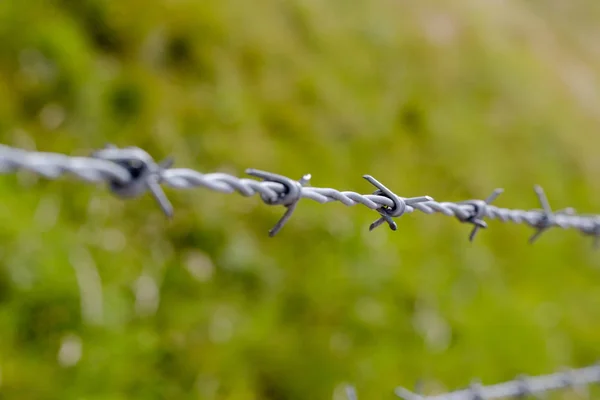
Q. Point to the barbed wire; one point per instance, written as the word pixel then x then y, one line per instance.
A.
pixel 520 388
pixel 131 172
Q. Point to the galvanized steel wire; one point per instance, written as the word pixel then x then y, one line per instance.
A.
pixel 520 388
pixel 130 172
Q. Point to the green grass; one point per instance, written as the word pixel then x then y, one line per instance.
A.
pixel 439 98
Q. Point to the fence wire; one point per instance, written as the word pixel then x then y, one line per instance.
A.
pixel 130 172
pixel 520 388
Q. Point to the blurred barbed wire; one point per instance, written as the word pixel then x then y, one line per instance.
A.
pixel 520 388
pixel 130 172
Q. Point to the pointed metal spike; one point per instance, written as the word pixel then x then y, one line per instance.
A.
pixel 282 221
pixel 479 212
pixel 289 199
pixel 305 180
pixel 539 191
pixel 495 194
pixel 399 204
pixel 415 200
pixel 159 195
pixel 536 235
pixel 473 233
pixel 166 163
pixel 384 218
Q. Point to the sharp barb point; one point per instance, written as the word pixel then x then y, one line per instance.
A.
pixel 541 194
pixel 479 212
pixel 399 204
pixel 161 198
pixel 289 198
pixel 420 199
pixel 473 233
pixel 495 194
pixel 536 235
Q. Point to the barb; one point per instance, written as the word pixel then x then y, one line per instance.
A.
pixel 289 198
pixel 479 212
pixel 399 207
pixel 521 387
pixel 130 172
pixel 144 174
pixel 547 219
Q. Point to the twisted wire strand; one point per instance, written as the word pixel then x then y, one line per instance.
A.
pixel 53 165
pixel 131 172
pixel 518 388
pixel 116 167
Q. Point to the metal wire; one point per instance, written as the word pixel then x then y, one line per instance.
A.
pixel 518 388
pixel 131 171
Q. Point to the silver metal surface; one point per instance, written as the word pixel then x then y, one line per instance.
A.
pixel 518 388
pixel 131 172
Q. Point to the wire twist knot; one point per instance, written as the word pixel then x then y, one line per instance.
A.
pixel 479 211
pixel 145 174
pixel 547 218
pixel 399 204
pixel 289 197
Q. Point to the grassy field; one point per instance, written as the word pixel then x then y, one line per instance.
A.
pixel 106 299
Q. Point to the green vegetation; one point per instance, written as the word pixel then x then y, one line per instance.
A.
pixel 106 299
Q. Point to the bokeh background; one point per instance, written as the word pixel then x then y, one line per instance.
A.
pixel 107 299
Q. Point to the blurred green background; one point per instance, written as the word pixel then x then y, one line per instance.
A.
pixel 107 299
